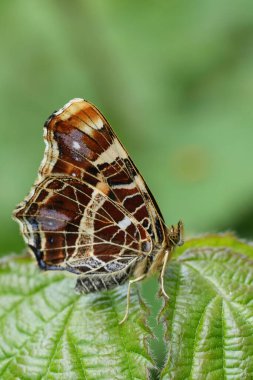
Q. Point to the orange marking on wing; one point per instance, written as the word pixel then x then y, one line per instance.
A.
pixel 104 187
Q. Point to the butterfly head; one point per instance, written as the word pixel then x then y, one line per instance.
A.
pixel 176 234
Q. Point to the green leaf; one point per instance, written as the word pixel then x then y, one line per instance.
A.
pixel 210 312
pixel 49 332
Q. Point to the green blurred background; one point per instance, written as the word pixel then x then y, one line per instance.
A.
pixel 174 78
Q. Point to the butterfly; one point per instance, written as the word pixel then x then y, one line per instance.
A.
pixel 90 212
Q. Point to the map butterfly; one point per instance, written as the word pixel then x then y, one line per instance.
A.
pixel 90 211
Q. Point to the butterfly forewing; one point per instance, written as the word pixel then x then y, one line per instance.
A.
pixel 89 210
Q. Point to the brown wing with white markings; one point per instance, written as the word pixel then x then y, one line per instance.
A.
pixel 89 199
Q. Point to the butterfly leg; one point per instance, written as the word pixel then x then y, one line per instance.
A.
pixel 166 257
pixel 128 296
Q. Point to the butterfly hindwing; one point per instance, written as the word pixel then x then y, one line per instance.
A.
pixel 69 220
